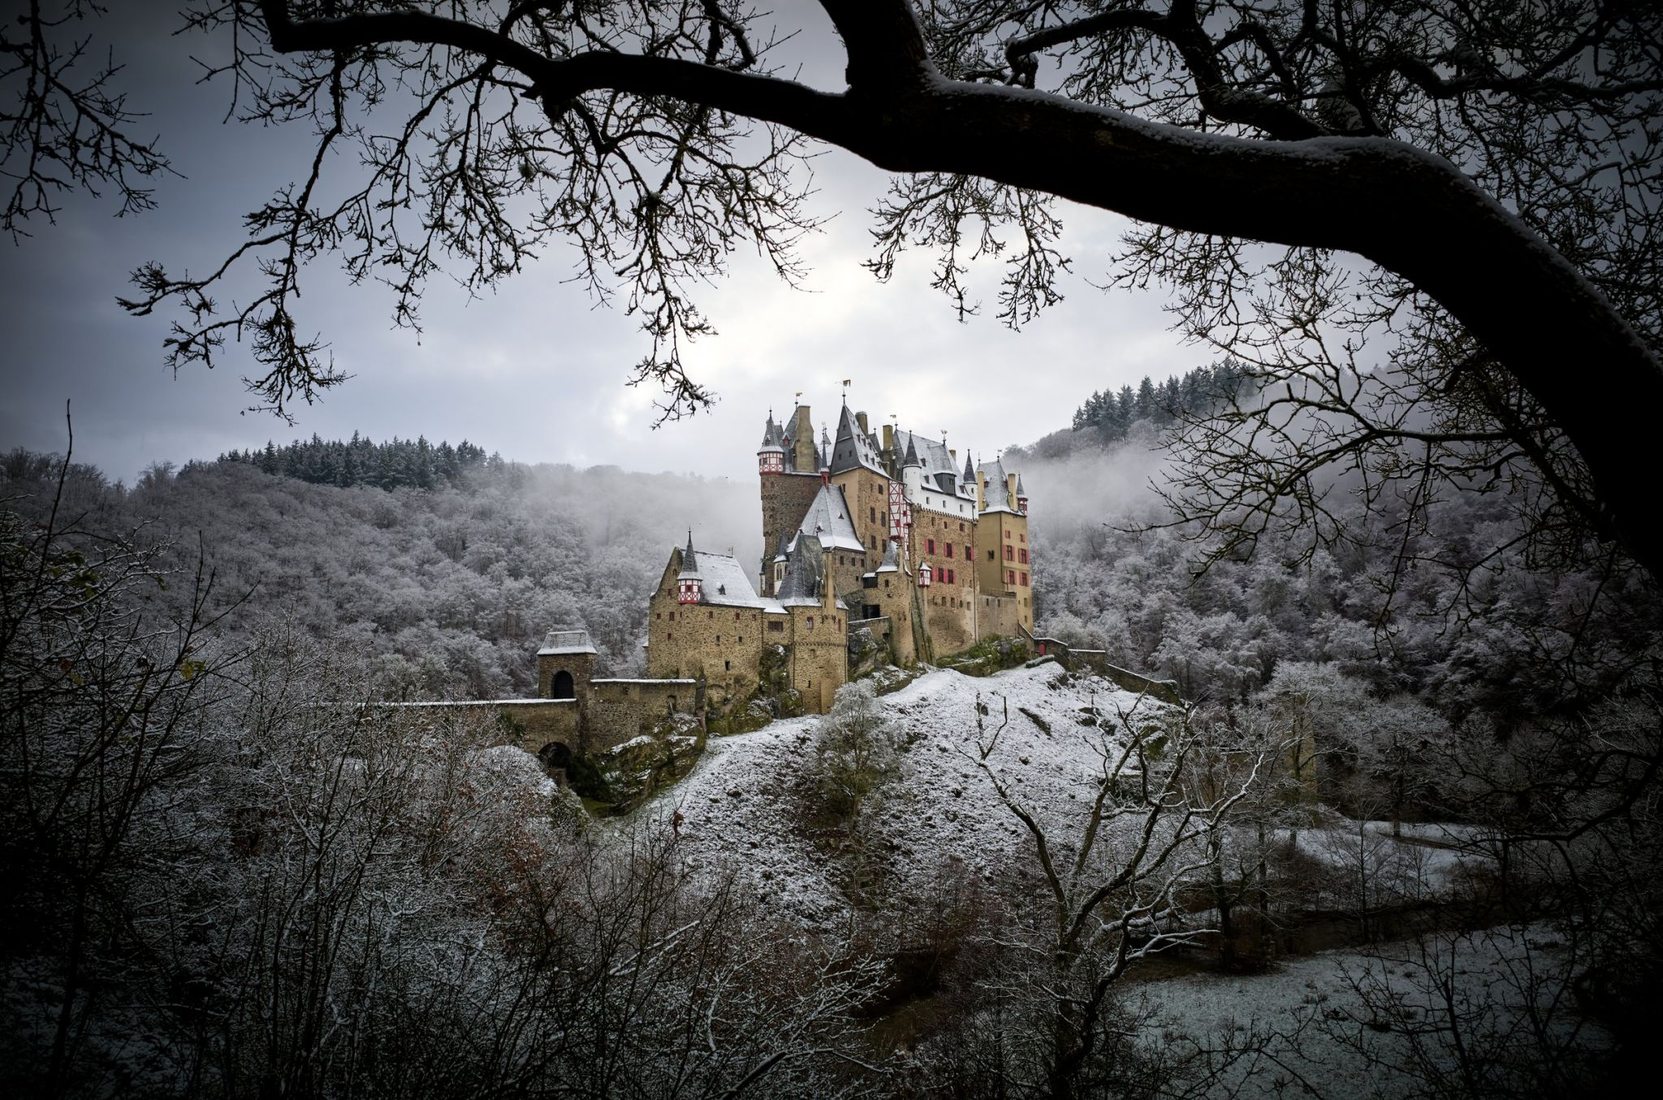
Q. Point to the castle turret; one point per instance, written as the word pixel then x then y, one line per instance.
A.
pixel 689 585
pixel 912 470
pixel 1021 496
pixel 770 457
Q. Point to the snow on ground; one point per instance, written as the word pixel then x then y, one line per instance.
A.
pixel 1329 1023
pixel 1429 862
pixel 739 808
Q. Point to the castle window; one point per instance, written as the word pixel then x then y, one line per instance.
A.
pixel 1023 537
pixel 811 622
pixel 1010 554
pixel 727 666
pixel 672 616
pixel 776 627
pixel 736 616
pixel 659 614
pixel 1022 555
pixel 712 614
pixel 929 546
pixel 969 554
pixel 1024 580
pixel 961 522
pixel 949 549
pixel 990 555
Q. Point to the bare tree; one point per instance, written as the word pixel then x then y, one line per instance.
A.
pixel 1112 890
pixel 104 704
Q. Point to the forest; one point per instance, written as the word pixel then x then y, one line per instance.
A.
pixel 228 886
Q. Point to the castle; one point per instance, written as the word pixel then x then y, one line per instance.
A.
pixel 887 536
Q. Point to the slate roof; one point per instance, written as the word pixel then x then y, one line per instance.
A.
pixel 890 563
pixel 773 436
pixel 998 491
pixel 932 453
pixel 827 520
pixel 853 447
pixel 805 576
pixel 804 573
pixel 566 639
pixel 689 562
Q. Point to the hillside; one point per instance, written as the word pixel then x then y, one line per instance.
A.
pixel 744 807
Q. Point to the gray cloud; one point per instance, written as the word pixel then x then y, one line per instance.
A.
pixel 534 372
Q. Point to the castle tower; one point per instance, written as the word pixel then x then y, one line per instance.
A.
pixel 1004 557
pixel 565 664
pixel 789 472
pixel 770 457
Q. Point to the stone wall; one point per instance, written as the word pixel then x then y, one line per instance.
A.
pixel 998 616
pixel 818 655
pixel 1096 660
pixel 528 723
pixel 721 645
pixel 614 712
pixel 623 709
pixel 892 593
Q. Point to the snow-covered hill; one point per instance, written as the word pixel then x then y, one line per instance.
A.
pixel 741 807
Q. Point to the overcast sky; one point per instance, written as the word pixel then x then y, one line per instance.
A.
pixel 536 372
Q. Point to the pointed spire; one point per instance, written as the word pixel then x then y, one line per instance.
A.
pixel 969 470
pixel 911 458
pixel 689 562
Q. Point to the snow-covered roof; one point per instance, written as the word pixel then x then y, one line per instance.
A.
pixel 566 639
pixel 827 520
pixel 853 447
pixel 932 453
pixel 998 489
pixel 725 583
pixel 889 563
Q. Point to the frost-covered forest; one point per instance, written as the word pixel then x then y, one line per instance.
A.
pixel 1401 829
pixel 445 590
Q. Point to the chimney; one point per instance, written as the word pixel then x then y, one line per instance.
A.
pixel 860 418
